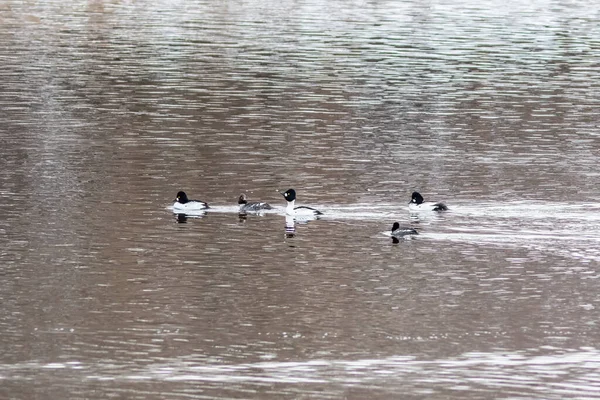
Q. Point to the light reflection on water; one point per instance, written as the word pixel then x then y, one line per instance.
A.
pixel 551 374
pixel 109 109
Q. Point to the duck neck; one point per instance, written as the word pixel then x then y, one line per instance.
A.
pixel 289 210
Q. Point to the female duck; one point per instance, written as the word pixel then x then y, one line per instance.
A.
pixel 246 207
pixel 400 231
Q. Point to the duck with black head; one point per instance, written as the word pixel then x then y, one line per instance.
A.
pixel 290 197
pixel 418 203
pixel 183 205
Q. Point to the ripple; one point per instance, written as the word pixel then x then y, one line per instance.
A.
pixel 524 374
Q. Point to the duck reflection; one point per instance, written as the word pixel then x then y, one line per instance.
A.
pixel 182 218
pixel 292 220
pixel 290 226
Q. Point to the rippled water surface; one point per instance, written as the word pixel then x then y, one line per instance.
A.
pixel 107 109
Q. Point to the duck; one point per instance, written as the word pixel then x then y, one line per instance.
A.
pixel 290 196
pixel 400 231
pixel 417 203
pixel 184 205
pixel 246 207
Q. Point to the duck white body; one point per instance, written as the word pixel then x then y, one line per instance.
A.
pixel 427 206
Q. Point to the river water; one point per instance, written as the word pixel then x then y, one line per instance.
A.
pixel 108 108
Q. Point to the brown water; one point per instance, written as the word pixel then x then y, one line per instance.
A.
pixel 107 109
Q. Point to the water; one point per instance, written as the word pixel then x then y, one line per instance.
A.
pixel 109 108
